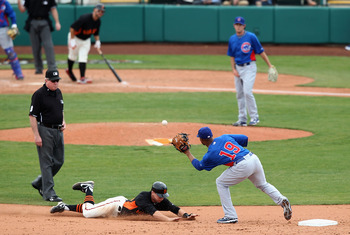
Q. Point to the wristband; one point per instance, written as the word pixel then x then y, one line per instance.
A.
pixel 185 215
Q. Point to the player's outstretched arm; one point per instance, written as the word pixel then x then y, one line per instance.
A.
pixel 159 216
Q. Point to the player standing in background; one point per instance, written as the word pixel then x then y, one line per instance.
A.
pixel 79 41
pixel 6 42
pixel 242 48
pixel 39 27
pixel 147 202
pixel 229 150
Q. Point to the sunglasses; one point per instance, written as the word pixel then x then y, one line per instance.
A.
pixel 53 81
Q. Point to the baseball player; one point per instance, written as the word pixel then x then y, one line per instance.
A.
pixel 6 11
pixel 79 41
pixel 242 48
pixel 229 150
pixel 147 202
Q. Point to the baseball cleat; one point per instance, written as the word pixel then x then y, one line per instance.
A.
pixel 239 123
pixel 82 186
pixel 347 48
pixel 253 122
pixel 287 209
pixel 71 75
pixel 227 220
pixel 54 199
pixel 59 208
pixel 84 81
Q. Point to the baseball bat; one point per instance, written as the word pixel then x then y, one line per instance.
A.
pixel 109 65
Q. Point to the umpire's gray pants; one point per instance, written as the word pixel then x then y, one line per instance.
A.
pixel 51 158
pixel 40 35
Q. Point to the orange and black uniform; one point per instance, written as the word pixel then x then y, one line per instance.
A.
pixel 142 204
pixel 85 26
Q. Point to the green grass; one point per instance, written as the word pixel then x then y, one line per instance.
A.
pixel 313 170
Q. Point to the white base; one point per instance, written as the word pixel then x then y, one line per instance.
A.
pixel 317 222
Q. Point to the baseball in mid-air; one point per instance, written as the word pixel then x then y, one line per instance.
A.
pixel 164 122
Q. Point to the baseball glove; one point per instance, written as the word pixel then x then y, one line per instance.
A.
pixel 181 142
pixel 273 74
pixel 13 32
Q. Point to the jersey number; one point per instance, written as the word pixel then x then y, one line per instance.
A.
pixel 231 148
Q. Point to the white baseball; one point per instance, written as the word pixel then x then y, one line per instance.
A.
pixel 164 122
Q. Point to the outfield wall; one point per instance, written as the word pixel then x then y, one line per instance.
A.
pixel 207 24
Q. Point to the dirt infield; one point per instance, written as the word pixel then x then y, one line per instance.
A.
pixel 25 219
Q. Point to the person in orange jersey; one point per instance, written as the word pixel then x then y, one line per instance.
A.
pixel 147 202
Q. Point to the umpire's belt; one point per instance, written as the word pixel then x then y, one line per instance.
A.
pixel 58 127
pixel 242 65
pixel 243 158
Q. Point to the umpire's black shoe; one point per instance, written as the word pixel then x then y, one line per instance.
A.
pixel 54 199
pixel 35 184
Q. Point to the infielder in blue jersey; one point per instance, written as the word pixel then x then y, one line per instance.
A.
pixel 229 150
pixel 6 13
pixel 242 48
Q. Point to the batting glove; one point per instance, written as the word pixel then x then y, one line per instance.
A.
pixel 97 44
pixel 72 43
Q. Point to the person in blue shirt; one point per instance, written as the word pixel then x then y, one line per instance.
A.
pixel 242 164
pixel 6 13
pixel 242 48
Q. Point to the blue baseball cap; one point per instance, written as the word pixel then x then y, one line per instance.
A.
pixel 240 20
pixel 204 133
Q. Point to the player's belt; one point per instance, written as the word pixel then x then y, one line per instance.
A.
pixel 58 127
pixel 242 65
pixel 243 158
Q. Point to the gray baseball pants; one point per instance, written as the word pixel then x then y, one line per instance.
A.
pixel 244 91
pixel 51 158
pixel 40 36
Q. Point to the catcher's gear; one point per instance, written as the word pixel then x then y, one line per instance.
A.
pixel 181 142
pixel 273 74
pixel 13 32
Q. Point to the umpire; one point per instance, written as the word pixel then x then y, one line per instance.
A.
pixel 47 122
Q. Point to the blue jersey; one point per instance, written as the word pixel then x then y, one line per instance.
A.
pixel 244 48
pixel 225 150
pixel 6 11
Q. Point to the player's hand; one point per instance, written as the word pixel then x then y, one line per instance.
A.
pixel 72 43
pixel 58 26
pixel 97 44
pixel 235 73
pixel 189 216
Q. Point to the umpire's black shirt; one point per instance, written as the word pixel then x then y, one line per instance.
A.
pixel 47 106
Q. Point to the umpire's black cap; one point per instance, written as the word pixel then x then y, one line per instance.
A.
pixel 52 75
pixel 160 189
